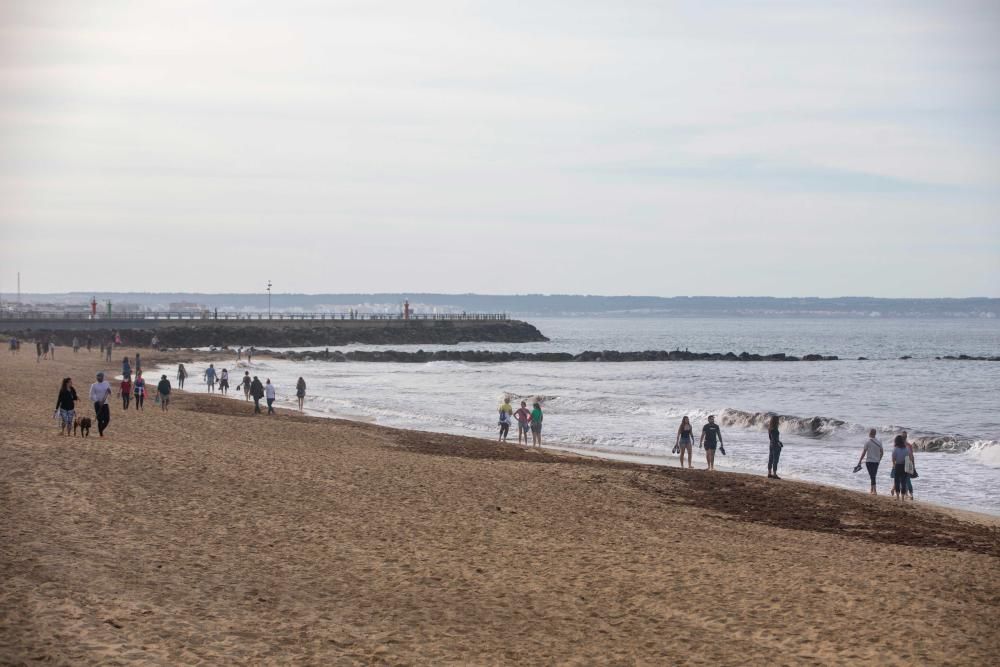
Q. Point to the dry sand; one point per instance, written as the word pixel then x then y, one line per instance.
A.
pixel 207 535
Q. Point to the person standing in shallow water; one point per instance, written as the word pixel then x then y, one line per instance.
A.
pixel 711 438
pixel 523 417
pixel 247 383
pixel 181 375
pixel 899 455
pixel 871 454
pixel 224 382
pixel 300 392
pixel 210 378
pixel 685 441
pixel 774 447
pixel 536 425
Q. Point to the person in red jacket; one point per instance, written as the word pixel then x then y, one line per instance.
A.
pixel 125 389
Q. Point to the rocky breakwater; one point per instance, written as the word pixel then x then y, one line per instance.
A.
pixel 289 333
pixel 420 356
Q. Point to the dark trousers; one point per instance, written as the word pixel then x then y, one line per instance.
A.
pixel 256 404
pixel 139 399
pixel 899 481
pixel 270 406
pixel 103 413
pixel 504 428
pixel 126 397
pixel 872 470
pixel 773 454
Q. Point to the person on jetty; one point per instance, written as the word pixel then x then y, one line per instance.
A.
pixel 774 447
pixel 300 392
pixel 685 441
pixel 126 368
pixel 900 456
pixel 257 391
pixel 270 394
pixel 210 378
pixel 163 392
pixel 139 391
pixel 523 417
pixel 100 392
pixel 181 375
pixel 224 381
pixel 711 438
pixel 506 413
pixel 536 425
pixel 246 385
pixel 872 454
pixel 125 391
pixel 66 406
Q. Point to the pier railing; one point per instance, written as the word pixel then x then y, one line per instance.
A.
pixel 241 316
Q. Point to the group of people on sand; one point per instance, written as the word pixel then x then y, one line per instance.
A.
pixel 528 421
pixel 252 387
pixel 100 396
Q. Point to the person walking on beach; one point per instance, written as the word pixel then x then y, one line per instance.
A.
pixel 774 447
pixel 126 368
pixel 506 413
pixel 125 391
pixel 246 385
pixel 224 381
pixel 107 351
pixel 270 394
pixel 536 425
pixel 76 344
pixel 100 392
pixel 871 454
pixel 66 406
pixel 138 362
pixel 685 441
pixel 210 378
pixel 90 343
pixel 139 389
pixel 300 392
pixel 523 417
pixel 900 454
pixel 38 351
pixel 257 391
pixel 181 375
pixel 163 392
pixel 711 438
pixel 911 466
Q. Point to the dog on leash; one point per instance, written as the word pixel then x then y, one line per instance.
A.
pixel 82 423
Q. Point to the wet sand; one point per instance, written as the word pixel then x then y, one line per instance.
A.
pixel 208 535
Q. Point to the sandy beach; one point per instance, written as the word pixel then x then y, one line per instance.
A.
pixel 209 535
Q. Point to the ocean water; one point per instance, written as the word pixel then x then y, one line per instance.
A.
pixel 951 409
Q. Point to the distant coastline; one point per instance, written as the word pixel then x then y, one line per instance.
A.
pixel 537 305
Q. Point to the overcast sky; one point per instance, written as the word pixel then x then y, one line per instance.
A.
pixel 657 148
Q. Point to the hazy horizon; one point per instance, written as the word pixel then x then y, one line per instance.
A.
pixel 652 148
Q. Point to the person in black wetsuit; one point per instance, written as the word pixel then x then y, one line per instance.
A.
pixel 774 449
pixel 711 438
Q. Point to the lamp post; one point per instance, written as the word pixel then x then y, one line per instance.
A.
pixel 268 299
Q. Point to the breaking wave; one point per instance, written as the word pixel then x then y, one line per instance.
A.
pixel 823 427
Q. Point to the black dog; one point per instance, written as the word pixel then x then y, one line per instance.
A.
pixel 83 423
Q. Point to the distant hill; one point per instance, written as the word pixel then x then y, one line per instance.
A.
pixel 537 304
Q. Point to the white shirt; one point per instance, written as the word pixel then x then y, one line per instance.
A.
pixel 269 391
pixel 99 391
pixel 873 450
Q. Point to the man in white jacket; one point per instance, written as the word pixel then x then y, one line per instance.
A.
pixel 100 391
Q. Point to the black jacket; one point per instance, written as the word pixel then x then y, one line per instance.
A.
pixel 66 399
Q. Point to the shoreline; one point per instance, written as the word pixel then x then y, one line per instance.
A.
pixel 655 460
pixel 204 534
